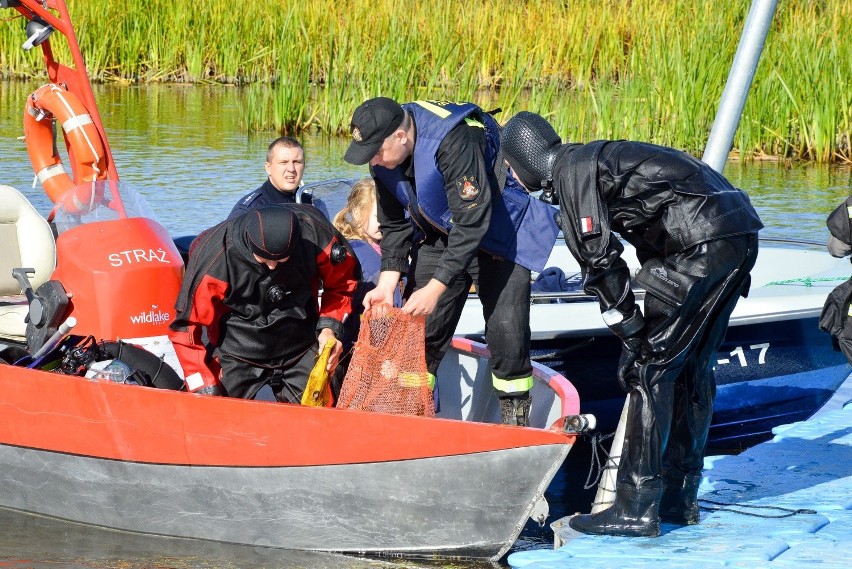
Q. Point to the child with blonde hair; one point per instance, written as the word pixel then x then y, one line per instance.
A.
pixel 357 222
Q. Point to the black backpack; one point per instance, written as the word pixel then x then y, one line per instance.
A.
pixel 835 318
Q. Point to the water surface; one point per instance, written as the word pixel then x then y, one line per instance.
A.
pixel 183 148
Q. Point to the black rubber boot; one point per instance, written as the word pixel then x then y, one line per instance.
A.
pixel 515 409
pixel 679 504
pixel 633 514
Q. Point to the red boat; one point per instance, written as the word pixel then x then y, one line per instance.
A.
pixel 157 460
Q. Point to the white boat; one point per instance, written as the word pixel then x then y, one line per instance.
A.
pixel 774 367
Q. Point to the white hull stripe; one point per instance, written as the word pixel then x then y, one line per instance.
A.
pixel 76 122
pixel 49 172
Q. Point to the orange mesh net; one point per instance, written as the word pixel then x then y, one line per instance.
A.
pixel 388 373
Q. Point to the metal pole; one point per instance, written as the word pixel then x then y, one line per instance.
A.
pixel 739 82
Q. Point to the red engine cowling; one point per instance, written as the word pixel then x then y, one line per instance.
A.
pixel 123 277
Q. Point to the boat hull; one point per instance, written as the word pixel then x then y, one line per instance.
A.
pixel 266 474
pixel 436 505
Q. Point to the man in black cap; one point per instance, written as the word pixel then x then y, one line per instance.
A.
pixel 696 240
pixel 439 202
pixel 253 282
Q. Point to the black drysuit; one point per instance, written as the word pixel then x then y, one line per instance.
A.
pixel 261 324
pixel 835 318
pixel 696 239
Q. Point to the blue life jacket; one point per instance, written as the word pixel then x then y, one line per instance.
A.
pixel 522 229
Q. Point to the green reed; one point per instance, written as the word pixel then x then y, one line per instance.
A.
pixel 639 69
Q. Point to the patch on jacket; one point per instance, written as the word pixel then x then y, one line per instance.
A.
pixel 588 226
pixel 468 188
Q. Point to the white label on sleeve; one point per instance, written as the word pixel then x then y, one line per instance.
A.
pixel 194 381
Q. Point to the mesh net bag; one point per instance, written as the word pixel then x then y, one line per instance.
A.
pixel 388 373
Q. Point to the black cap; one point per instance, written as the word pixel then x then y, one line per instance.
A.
pixel 269 232
pixel 372 122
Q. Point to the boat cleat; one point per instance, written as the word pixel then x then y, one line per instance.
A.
pixel 579 424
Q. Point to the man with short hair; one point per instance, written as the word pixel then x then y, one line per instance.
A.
pixel 440 202
pixel 285 166
pixel 253 282
pixel 696 240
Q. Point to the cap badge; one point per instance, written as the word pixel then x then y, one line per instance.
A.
pixel 356 134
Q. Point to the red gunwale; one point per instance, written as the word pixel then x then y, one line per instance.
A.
pixel 70 414
pixel 564 389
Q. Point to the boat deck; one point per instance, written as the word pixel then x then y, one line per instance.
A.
pixel 803 473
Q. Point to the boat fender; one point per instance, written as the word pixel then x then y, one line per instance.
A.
pixel 578 424
pixel 148 369
pixel 605 495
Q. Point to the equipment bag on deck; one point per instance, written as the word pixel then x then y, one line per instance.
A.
pixel 388 373
pixel 835 318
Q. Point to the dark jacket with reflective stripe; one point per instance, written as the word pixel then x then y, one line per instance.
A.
pixel 520 228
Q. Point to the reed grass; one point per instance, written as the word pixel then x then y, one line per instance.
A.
pixel 640 69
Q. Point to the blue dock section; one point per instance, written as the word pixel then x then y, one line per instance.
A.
pixel 793 499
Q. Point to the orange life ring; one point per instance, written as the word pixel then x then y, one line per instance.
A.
pixel 85 147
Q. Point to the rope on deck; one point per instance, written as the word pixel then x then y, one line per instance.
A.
pixel 807 281
pixel 726 507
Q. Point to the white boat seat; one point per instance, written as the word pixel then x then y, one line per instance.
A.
pixel 26 240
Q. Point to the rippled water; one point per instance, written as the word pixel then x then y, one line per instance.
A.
pixel 183 149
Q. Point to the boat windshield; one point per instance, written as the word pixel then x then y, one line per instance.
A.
pixel 91 202
pixel 327 195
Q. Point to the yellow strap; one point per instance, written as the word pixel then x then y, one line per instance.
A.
pixel 849 312
pixel 432 380
pixel 444 113
pixel 849 211
pixel 520 385
pixel 440 111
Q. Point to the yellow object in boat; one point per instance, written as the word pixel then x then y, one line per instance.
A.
pixel 318 391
